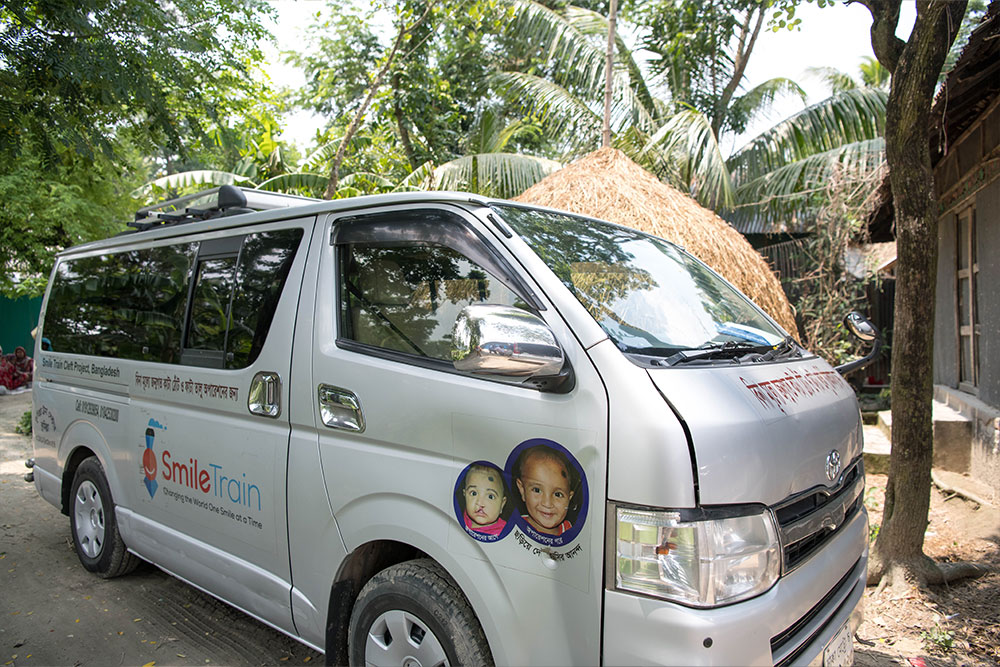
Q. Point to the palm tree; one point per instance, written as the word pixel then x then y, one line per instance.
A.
pixel 773 176
pixel 487 168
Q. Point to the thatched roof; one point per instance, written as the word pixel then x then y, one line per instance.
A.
pixel 606 184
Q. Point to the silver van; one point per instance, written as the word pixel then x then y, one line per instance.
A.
pixel 432 428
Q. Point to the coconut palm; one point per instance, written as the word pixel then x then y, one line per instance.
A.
pixel 779 175
pixel 487 168
pixel 773 176
pixel 675 140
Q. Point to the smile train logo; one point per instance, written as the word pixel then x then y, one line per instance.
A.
pixel 149 459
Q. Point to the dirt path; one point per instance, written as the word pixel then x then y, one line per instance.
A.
pixel 945 625
pixel 53 612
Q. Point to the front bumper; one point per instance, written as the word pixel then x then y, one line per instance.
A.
pixel 788 625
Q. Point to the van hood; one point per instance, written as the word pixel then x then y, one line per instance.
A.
pixel 762 433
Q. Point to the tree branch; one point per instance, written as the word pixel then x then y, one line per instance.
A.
pixel 885 18
pixel 331 188
pixel 739 66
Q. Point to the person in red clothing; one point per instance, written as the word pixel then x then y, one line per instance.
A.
pixel 16 369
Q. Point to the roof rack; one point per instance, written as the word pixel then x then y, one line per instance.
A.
pixel 218 202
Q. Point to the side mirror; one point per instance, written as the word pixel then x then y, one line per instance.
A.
pixel 862 329
pixel 860 326
pixel 503 340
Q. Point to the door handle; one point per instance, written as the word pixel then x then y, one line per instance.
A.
pixel 340 409
pixel 265 394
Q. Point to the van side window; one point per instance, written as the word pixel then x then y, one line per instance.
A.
pixel 133 304
pixel 406 297
pixel 213 290
pixel 265 261
pixel 128 305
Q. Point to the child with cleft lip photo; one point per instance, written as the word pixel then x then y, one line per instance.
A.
pixel 545 481
pixel 484 496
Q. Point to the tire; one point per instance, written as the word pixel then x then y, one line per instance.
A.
pixel 99 546
pixel 414 614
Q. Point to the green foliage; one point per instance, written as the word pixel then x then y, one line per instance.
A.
pixel 939 638
pixel 824 290
pixel 76 73
pixel 783 173
pixel 24 425
pixel 44 210
pixel 434 90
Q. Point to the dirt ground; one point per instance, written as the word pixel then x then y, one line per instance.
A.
pixel 53 612
pixel 957 624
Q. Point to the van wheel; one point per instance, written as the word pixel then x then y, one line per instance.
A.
pixel 95 529
pixel 413 614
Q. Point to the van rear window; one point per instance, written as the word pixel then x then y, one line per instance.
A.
pixel 128 305
pixel 134 304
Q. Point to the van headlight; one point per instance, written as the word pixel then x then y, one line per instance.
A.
pixel 702 562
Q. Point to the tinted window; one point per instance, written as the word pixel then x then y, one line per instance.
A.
pixel 128 304
pixel 264 265
pixel 213 291
pixel 132 305
pixel 406 297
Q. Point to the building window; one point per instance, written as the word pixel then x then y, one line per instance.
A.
pixel 967 265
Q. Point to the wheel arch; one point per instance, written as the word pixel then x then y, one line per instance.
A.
pixel 355 571
pixel 73 461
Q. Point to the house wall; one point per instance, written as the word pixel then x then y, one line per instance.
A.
pixel 988 248
pixel 983 409
pixel 945 332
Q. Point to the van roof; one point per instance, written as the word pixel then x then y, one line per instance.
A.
pixel 224 208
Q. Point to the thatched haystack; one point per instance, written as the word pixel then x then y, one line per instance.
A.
pixel 607 184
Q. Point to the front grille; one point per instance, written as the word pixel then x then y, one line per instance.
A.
pixel 808 521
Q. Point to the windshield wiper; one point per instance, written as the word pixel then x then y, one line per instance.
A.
pixel 786 346
pixel 734 350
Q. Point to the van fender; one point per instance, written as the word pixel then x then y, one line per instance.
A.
pixel 427 529
pixel 81 436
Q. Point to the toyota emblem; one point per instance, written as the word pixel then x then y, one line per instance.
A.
pixel 832 465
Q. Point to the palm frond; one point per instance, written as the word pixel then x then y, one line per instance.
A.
pixel 590 22
pixel 567 117
pixel 502 175
pixel 367 181
pixel 321 155
pixel 787 193
pixel 579 56
pixel 186 179
pixel 296 182
pixel 688 143
pixel 835 80
pixel 421 178
pixel 759 99
pixel 847 117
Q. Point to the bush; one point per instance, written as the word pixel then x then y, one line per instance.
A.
pixel 24 426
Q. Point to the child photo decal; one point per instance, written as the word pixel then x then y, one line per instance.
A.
pixel 542 490
pixel 482 501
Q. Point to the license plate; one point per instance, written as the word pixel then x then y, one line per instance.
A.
pixel 840 651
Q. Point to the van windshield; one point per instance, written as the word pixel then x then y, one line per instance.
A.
pixel 649 296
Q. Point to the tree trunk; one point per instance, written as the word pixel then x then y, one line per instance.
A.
pixel 609 64
pixel 404 132
pixel 898 552
pixel 746 44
